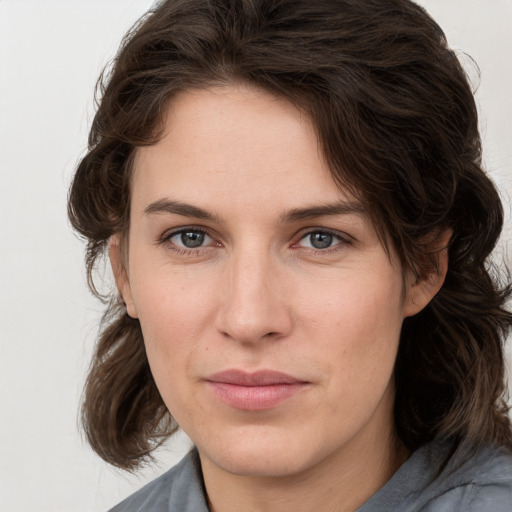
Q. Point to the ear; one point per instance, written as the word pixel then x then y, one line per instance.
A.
pixel 421 289
pixel 117 262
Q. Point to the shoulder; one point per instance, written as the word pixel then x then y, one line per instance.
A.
pixel 477 483
pixel 180 488
pixel 438 479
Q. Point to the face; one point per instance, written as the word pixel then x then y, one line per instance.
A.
pixel 270 311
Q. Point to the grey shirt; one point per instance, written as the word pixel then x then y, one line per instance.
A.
pixel 429 481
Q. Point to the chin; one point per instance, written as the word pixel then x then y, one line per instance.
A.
pixel 259 462
pixel 268 452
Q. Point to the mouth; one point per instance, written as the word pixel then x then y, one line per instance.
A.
pixel 260 390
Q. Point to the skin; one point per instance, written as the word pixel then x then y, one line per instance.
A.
pixel 257 294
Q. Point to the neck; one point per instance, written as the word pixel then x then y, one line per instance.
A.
pixel 341 482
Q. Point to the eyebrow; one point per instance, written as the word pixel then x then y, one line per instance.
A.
pixel 338 208
pixel 179 208
pixel 294 215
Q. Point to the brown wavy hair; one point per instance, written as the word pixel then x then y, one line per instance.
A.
pixel 397 122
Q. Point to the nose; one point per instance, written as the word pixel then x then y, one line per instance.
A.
pixel 254 305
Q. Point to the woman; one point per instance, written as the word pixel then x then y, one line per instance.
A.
pixel 299 225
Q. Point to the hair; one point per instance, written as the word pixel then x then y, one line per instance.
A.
pixel 397 123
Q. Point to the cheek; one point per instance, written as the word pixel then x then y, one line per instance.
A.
pixel 356 327
pixel 172 303
pixel 174 315
pixel 361 310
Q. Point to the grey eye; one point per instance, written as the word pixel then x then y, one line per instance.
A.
pixel 191 239
pixel 320 240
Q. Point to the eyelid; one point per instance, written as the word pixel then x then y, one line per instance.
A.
pixel 185 227
pixel 167 235
pixel 329 231
pixel 344 238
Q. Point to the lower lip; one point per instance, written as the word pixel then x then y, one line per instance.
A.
pixel 255 398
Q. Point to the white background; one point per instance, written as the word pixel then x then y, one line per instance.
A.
pixel 51 53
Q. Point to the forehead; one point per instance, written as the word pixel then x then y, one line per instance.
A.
pixel 239 141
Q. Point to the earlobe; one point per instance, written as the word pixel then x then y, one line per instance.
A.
pixel 426 285
pixel 120 275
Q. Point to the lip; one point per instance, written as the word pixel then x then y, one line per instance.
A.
pixel 260 390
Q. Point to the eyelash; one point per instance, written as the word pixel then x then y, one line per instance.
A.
pixel 343 238
pixel 166 240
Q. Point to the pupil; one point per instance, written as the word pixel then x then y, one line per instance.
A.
pixel 321 240
pixel 192 239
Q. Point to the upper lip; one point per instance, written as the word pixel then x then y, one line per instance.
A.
pixel 258 378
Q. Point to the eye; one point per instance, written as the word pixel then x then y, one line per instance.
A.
pixel 320 240
pixel 190 238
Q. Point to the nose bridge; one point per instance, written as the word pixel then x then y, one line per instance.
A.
pixel 254 305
